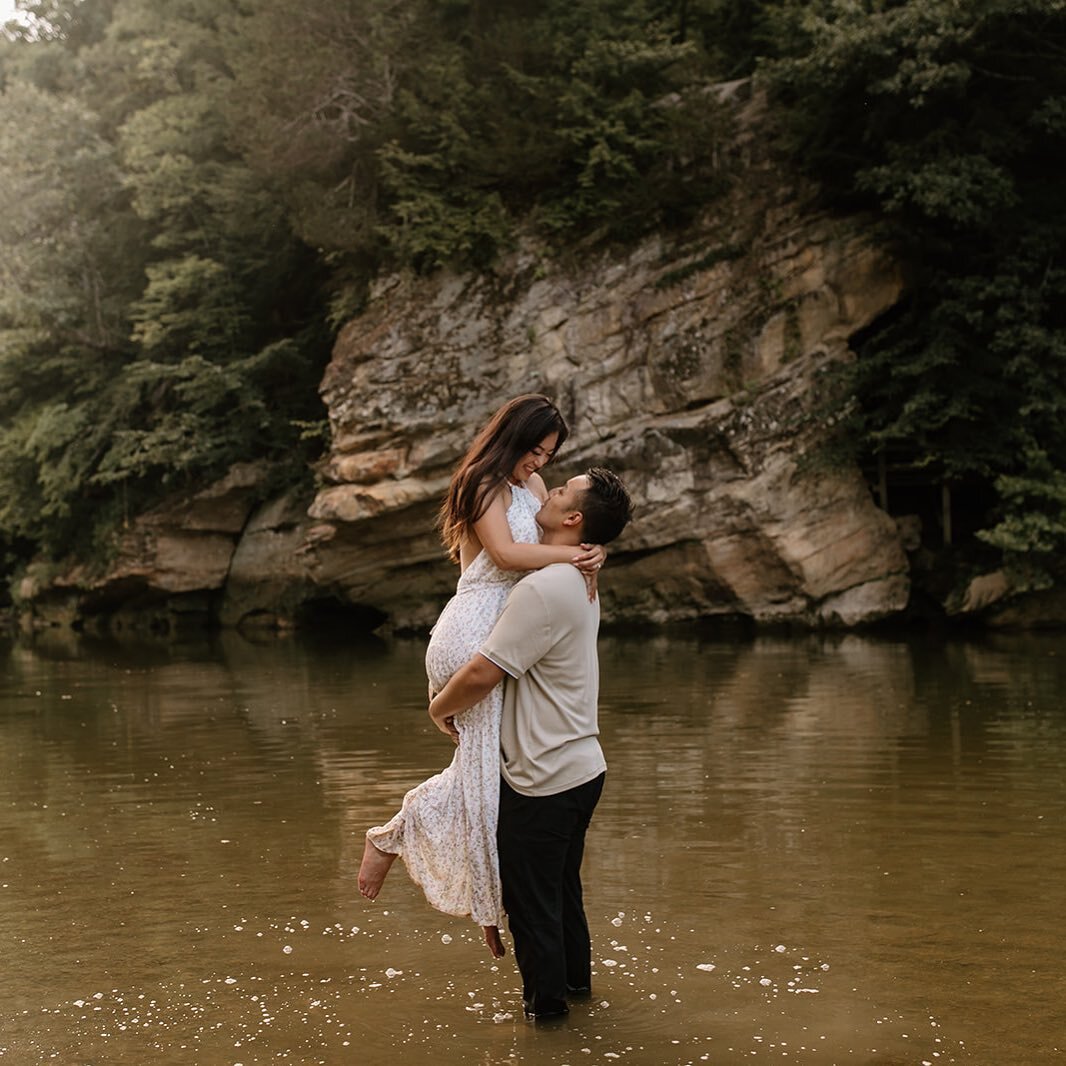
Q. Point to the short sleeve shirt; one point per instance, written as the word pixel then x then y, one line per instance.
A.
pixel 545 640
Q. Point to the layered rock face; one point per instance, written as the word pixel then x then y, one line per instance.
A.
pixel 690 365
pixel 171 563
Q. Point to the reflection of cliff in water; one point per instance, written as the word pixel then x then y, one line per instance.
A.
pixel 788 748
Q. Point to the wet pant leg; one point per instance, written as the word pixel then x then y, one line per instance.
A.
pixel 576 942
pixel 541 842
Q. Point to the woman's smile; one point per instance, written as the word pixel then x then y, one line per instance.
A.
pixel 535 458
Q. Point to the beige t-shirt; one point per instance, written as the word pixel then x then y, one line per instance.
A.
pixel 545 640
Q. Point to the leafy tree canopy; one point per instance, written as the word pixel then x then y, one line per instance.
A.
pixel 948 121
pixel 158 318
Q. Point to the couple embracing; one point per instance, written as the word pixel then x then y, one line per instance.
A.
pixel 514 679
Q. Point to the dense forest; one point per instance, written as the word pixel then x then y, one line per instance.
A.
pixel 195 194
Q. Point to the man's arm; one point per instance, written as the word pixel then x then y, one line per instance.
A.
pixel 467 686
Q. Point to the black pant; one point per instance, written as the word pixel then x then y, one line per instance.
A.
pixel 541 841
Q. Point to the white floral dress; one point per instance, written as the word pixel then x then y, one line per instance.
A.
pixel 446 828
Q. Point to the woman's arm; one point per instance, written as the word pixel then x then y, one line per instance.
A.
pixel 495 536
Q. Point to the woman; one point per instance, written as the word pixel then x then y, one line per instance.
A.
pixel 446 828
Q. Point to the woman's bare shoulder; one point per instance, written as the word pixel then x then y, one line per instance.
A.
pixel 498 498
pixel 537 487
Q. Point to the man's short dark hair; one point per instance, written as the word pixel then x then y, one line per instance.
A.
pixel 605 506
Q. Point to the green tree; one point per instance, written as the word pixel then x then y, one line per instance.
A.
pixel 949 121
pixel 419 134
pixel 158 320
pixel 70 255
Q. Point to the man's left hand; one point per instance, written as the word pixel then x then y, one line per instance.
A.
pixel 448 726
pixel 470 684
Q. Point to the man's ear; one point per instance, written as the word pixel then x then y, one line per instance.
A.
pixel 573 518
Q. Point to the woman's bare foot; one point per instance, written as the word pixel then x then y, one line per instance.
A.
pixel 492 938
pixel 373 868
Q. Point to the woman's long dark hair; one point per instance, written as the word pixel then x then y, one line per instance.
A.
pixel 516 428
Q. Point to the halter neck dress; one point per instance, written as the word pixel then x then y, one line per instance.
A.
pixel 445 831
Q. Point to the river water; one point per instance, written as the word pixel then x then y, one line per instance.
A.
pixel 812 850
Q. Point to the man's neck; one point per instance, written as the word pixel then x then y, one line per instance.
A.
pixel 568 536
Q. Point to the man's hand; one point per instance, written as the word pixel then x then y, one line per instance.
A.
pixel 470 684
pixel 448 726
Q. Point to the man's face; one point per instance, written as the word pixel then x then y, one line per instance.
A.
pixel 563 502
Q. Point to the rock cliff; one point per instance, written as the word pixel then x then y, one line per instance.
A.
pixel 689 363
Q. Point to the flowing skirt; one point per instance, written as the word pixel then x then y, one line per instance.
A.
pixel 445 831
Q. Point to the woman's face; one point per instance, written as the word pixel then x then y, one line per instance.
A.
pixel 533 460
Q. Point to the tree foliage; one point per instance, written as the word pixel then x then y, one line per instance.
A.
pixel 422 134
pixel 157 316
pixel 949 121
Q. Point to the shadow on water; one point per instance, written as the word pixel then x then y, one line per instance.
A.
pixel 822 849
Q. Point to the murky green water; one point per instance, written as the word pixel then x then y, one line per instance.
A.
pixel 811 851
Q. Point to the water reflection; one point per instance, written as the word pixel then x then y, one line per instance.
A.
pixel 825 850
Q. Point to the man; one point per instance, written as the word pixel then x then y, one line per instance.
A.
pixel 551 763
